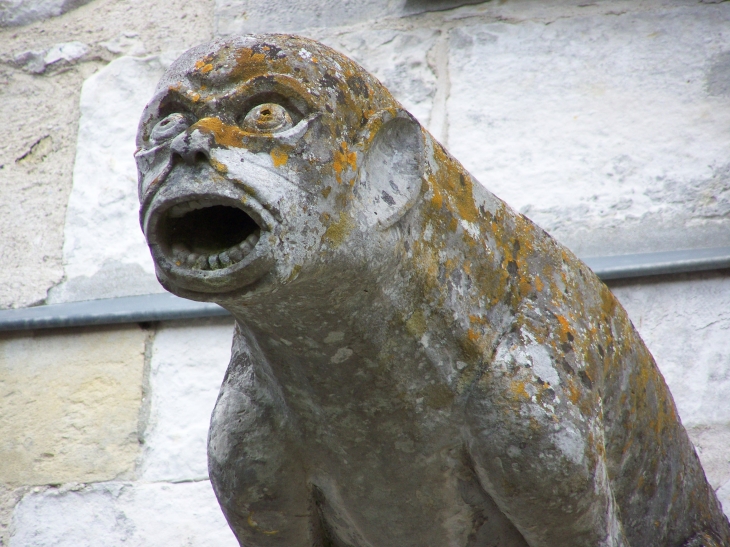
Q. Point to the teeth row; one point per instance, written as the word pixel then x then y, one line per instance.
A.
pixel 182 209
pixel 195 261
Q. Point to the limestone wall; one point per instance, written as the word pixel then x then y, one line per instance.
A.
pixel 605 122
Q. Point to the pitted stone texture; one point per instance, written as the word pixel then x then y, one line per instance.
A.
pixel 188 362
pixel 401 59
pixel 600 128
pixel 104 253
pixel 21 12
pixel 70 405
pixel 117 514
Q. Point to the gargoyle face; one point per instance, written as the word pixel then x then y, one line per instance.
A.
pixel 247 156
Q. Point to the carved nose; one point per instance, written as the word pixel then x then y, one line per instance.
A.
pixel 192 146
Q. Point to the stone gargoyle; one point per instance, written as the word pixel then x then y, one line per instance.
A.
pixel 414 363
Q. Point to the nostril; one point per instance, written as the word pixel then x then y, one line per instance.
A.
pixel 176 157
pixel 200 157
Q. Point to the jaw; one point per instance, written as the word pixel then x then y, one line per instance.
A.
pixel 207 236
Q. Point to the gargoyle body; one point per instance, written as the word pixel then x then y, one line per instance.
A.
pixel 414 363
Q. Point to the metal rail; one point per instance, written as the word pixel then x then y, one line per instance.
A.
pixel 164 306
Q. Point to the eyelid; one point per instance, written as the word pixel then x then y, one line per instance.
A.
pixel 293 134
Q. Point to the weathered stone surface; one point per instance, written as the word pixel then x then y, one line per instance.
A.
pixel 393 314
pixel 608 130
pixel 104 255
pixel 115 514
pixel 70 405
pixel 188 362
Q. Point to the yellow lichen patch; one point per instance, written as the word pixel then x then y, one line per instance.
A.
pixel 249 64
pixel 342 160
pixel 517 387
pixel 564 329
pixel 279 157
pixel 224 134
pixel 416 324
pixel 204 65
pixel 574 392
pixel 337 231
pixel 437 201
pixel 539 284
pixel 218 166
pixel 326 191
pixel 525 286
pixel 457 184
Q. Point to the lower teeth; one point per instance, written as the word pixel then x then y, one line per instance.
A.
pixel 182 255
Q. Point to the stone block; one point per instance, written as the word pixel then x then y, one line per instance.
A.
pixel 70 404
pixel 115 514
pixel 105 254
pixel 187 367
pixel 607 129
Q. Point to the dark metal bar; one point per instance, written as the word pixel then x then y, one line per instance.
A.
pixel 127 309
pixel 667 262
pixel 164 306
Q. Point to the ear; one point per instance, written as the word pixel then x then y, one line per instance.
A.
pixel 389 179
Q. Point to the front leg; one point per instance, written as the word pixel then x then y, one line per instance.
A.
pixel 538 454
pixel 260 485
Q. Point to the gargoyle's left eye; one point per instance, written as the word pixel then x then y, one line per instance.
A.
pixel 267 118
pixel 170 126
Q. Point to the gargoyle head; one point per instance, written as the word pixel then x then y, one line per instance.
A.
pixel 259 156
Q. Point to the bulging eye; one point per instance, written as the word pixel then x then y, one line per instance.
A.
pixel 168 127
pixel 267 118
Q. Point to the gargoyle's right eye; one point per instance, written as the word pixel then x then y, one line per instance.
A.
pixel 169 127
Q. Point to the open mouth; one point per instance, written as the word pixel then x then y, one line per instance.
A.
pixel 204 235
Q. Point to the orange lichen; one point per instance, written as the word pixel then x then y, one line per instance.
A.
pixel 224 134
pixel 343 159
pixel 279 157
